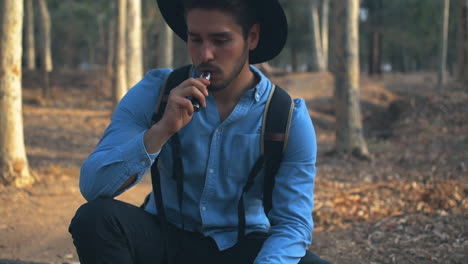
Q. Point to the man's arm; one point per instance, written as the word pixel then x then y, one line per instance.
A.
pixel 122 156
pixel 291 215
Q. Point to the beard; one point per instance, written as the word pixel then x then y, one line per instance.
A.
pixel 239 65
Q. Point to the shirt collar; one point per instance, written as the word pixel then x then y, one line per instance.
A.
pixel 261 86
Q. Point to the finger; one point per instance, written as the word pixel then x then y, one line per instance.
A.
pixel 199 83
pixel 183 104
pixel 195 92
pixel 205 81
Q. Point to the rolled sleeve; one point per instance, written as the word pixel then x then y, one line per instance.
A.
pixel 291 215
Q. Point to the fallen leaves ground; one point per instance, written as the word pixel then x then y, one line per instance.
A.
pixel 407 205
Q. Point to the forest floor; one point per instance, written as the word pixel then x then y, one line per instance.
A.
pixel 408 204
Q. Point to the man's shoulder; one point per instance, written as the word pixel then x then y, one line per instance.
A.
pixel 158 74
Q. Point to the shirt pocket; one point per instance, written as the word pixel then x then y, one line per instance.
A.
pixel 244 152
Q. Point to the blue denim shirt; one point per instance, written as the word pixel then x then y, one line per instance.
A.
pixel 217 158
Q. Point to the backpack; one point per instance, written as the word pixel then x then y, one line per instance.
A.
pixel 274 136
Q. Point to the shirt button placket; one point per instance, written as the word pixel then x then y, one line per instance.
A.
pixel 210 179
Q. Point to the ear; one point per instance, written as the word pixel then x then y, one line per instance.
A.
pixel 254 36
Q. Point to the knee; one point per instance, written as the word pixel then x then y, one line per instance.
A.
pixel 90 215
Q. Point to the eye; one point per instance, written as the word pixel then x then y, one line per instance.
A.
pixel 195 40
pixel 222 41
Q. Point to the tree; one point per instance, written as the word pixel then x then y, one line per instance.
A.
pixel 319 25
pixel 120 76
pixel 112 32
pixel 14 168
pixel 349 132
pixel 462 41
pixel 375 36
pixel 46 53
pixel 165 47
pixel 134 43
pixel 443 44
pixel 29 34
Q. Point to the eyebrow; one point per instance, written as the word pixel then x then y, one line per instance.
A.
pixel 216 34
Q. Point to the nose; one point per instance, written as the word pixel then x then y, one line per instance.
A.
pixel 206 52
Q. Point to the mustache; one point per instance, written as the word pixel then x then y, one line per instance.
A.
pixel 207 66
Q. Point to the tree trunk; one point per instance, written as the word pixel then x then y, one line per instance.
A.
pixel 166 47
pixel 325 17
pixel 294 58
pixel 91 51
pixel 443 45
pixel 375 37
pixel 375 48
pixel 29 33
pixel 111 43
pixel 46 54
pixel 14 168
pixel 120 83
pixel 349 132
pixel 317 50
pixel 462 41
pixel 134 43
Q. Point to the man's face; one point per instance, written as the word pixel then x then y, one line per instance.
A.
pixel 217 44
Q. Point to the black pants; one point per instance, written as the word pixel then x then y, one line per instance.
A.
pixel 111 231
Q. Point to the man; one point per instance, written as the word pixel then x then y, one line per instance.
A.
pixel 219 145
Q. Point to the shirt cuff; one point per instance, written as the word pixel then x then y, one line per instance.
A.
pixel 136 159
pixel 151 156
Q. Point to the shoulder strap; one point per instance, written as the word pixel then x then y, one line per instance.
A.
pixel 275 132
pixel 173 79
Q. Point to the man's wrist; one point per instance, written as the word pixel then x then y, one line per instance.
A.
pixel 156 137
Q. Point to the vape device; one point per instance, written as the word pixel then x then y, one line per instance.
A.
pixel 195 103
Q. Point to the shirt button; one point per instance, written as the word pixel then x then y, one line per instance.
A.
pixel 203 208
pixel 143 162
pixel 211 170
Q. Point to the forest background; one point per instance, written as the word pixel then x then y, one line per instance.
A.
pixel 386 83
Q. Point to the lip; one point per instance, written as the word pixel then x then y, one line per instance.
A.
pixel 201 70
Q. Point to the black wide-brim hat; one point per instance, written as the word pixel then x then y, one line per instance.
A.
pixel 270 15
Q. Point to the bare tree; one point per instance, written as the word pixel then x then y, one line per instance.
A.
pixel 14 168
pixel 29 34
pixel 134 43
pixel 165 47
pixel 325 17
pixel 46 53
pixel 443 45
pixel 349 131
pixel 120 76
pixel 112 32
pixel 462 41
pixel 375 8
pixel 319 24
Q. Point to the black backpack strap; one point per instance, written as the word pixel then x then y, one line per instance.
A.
pixel 277 121
pixel 275 131
pixel 174 78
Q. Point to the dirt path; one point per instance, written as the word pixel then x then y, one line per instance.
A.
pixel 408 205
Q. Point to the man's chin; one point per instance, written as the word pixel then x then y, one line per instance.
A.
pixel 215 87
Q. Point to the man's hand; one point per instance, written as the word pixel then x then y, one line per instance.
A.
pixel 178 113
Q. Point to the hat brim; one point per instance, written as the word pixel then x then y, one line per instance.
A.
pixel 272 20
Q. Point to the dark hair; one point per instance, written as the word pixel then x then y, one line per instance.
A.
pixel 242 10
